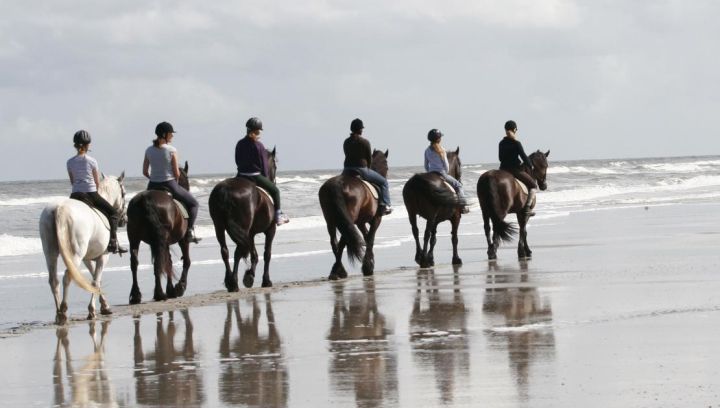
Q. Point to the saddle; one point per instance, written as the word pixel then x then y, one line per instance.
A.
pixel 372 188
pixel 265 192
pixel 180 206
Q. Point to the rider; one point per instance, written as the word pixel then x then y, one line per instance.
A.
pixel 251 160
pixel 510 150
pixel 358 157
pixel 436 161
pixel 160 165
pixel 84 177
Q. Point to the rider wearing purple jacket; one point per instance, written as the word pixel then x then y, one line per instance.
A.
pixel 252 163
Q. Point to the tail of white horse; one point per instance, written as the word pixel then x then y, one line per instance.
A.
pixel 64 241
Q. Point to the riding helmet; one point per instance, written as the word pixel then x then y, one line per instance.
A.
pixel 82 137
pixel 510 125
pixel 356 125
pixel 163 128
pixel 254 124
pixel 434 135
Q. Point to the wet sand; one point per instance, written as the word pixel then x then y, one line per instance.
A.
pixel 618 308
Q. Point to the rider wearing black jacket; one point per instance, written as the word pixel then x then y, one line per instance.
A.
pixel 510 153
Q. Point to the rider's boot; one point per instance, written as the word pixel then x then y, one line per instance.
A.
pixel 281 218
pixel 113 246
pixel 191 237
pixel 529 203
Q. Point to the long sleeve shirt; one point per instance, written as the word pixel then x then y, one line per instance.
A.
pixel 251 157
pixel 509 151
pixel 357 152
pixel 435 161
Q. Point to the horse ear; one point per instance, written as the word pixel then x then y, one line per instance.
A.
pixel 387 152
pixel 122 176
pixel 457 151
pixel 102 176
pixel 547 153
pixel 273 151
pixel 186 167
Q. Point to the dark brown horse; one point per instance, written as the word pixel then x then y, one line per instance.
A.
pixel 240 208
pixel 347 203
pixel 500 195
pixel 427 195
pixel 153 218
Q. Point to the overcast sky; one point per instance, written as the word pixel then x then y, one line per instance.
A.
pixel 584 79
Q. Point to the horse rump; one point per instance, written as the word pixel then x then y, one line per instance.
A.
pixel 222 206
pixel 490 204
pixel 335 211
pixel 431 187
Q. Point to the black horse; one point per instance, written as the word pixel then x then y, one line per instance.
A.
pixel 427 195
pixel 347 203
pixel 500 195
pixel 154 218
pixel 239 207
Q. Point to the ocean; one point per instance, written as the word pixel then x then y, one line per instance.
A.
pixel 301 250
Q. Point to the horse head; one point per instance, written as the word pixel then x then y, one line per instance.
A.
pixel 113 190
pixel 454 164
pixel 183 180
pixel 379 162
pixel 540 165
pixel 272 164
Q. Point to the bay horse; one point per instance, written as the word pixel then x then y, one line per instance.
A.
pixel 74 231
pixel 346 204
pixel 427 195
pixel 154 218
pixel 241 209
pixel 500 195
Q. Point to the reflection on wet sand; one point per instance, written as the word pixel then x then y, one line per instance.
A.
pixel 527 325
pixel 253 370
pixel 363 362
pixel 438 331
pixel 169 375
pixel 89 385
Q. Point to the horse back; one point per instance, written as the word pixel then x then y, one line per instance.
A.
pixel 499 186
pixel 239 199
pixel 428 195
pixel 155 209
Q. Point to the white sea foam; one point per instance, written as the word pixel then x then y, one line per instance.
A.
pixel 31 200
pixel 13 246
pixel 582 170
pixel 297 179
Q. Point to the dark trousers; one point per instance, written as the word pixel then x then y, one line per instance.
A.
pixel 180 194
pixel 268 186
pixel 95 200
pixel 524 178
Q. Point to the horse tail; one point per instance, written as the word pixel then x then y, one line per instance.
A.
pixel 64 240
pixel 487 190
pixel 436 194
pixel 157 238
pixel 339 212
pixel 221 205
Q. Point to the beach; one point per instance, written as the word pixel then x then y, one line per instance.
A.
pixel 618 307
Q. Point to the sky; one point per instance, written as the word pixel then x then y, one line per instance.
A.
pixel 583 79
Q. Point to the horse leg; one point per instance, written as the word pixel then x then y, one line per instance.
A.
pixel 182 283
pixel 169 288
pixel 338 271
pixel 135 295
pixel 158 263
pixel 491 251
pixel 426 239
pixel 416 234
pixel 61 317
pixel 267 254
pixel 249 277
pixel 51 262
pixel 230 285
pixel 236 266
pixel 455 223
pixel 523 250
pixel 368 266
pixel 433 240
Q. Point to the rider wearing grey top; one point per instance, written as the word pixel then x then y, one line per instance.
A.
pixel 160 162
pixel 436 161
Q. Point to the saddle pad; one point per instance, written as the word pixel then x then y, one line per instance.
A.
pixel 269 197
pixel 449 187
pixel 102 217
pixel 182 209
pixel 373 190
pixel 524 190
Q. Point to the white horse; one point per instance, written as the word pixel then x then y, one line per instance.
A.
pixel 76 232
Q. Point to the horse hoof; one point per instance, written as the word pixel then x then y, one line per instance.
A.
pixel 248 280
pixel 368 271
pixel 267 284
pixel 91 316
pixel 135 300
pixel 60 319
pixel 159 297
pixel 457 261
pixel 105 312
pixel 333 277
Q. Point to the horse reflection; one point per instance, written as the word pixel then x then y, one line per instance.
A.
pixel 253 370
pixel 363 360
pixel 520 305
pixel 89 385
pixel 168 375
pixel 438 331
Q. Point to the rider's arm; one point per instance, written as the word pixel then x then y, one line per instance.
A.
pixel 71 177
pixel 146 167
pixel 174 164
pixel 96 177
pixel 427 162
pixel 522 154
pixel 368 153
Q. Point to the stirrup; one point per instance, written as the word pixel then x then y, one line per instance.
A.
pixel 115 248
pixel 190 235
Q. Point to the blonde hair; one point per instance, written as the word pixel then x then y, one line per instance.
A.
pixel 436 146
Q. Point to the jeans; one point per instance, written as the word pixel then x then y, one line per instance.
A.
pixel 454 183
pixel 373 177
pixel 180 194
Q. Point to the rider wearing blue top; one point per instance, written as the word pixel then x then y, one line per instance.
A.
pixel 510 153
pixel 160 165
pixel 358 158
pixel 251 160
pixel 85 178
pixel 436 161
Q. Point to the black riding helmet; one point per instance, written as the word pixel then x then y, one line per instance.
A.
pixel 82 137
pixel 163 128
pixel 434 135
pixel 254 124
pixel 356 125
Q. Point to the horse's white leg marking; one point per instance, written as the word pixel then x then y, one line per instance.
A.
pixel 92 267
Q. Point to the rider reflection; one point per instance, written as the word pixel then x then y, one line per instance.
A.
pixel 253 370
pixel 438 331
pixel 169 375
pixel 526 314
pixel 363 360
